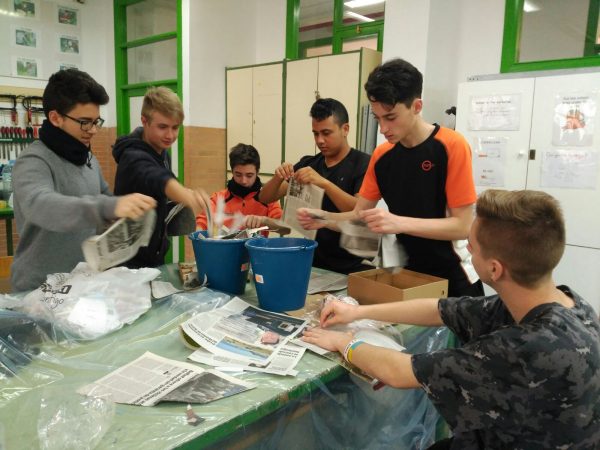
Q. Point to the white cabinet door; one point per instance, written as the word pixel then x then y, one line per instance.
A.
pixel 239 107
pixel 469 117
pixel 267 111
pixel 581 205
pixel 339 77
pixel 301 87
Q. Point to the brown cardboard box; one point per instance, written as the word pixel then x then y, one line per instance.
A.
pixel 380 286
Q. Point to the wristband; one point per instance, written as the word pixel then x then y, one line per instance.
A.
pixel 352 345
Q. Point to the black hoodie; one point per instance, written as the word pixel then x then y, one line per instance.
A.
pixel 141 169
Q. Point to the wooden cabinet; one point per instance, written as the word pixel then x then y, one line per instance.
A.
pixel 254 111
pixel 268 105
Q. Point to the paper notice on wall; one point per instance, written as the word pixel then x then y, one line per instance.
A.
pixel 489 160
pixel 495 112
pixel 569 169
pixel 574 116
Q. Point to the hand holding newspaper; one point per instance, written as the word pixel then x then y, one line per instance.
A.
pixel 301 196
pixel 120 242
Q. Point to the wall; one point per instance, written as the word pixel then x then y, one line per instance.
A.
pixel 448 41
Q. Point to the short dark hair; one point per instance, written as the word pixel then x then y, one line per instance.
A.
pixel 66 88
pixel 396 81
pixel 243 154
pixel 327 107
pixel 525 230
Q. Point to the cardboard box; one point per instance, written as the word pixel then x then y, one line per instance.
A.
pixel 380 286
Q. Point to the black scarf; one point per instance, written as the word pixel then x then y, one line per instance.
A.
pixel 241 191
pixel 65 145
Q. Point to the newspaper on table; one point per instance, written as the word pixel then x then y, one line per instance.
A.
pixel 283 363
pixel 247 335
pixel 151 379
pixel 301 196
pixel 327 282
pixel 120 242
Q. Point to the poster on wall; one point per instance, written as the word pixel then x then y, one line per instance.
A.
pixel 25 37
pixel 574 116
pixel 569 169
pixel 26 67
pixel 67 16
pixel 495 112
pixel 69 44
pixel 24 8
pixel 489 160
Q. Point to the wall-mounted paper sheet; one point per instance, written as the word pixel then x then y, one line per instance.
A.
pixel 489 160
pixel 574 116
pixel 569 169
pixel 495 112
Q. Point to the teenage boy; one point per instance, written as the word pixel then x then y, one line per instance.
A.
pixel 527 374
pixel 144 165
pixel 338 169
pixel 241 194
pixel 424 175
pixel 60 196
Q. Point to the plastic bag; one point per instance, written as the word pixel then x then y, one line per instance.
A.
pixel 75 423
pixel 86 304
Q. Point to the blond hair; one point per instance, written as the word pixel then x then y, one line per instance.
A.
pixel 525 230
pixel 164 101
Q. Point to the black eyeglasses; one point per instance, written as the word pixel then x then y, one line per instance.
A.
pixel 87 125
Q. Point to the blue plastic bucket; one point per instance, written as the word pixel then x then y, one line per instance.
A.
pixel 281 268
pixel 224 262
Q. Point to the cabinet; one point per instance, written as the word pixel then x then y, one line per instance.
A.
pixel 268 105
pixel 254 111
pixel 537 149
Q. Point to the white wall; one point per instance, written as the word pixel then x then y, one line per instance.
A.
pixel 448 40
pixel 228 33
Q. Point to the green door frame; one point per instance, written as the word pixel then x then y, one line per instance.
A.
pixel 125 91
pixel 294 49
pixel 513 20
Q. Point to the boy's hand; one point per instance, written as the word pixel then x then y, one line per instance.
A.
pixel 133 206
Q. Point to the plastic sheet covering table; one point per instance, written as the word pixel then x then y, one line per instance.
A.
pixel 323 407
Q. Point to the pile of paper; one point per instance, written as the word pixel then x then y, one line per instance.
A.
pixel 239 336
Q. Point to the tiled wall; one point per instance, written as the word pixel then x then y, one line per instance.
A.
pixel 204 156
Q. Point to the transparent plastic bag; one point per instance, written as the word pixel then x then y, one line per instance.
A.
pixel 70 421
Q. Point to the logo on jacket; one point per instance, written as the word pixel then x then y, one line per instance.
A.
pixel 427 165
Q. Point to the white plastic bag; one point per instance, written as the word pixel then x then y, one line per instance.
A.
pixel 87 304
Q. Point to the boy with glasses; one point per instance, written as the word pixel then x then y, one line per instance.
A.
pixel 60 196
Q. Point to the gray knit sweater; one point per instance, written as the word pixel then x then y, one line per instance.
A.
pixel 57 206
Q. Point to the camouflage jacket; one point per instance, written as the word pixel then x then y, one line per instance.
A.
pixel 532 385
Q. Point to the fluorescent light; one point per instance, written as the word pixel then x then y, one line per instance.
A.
pixel 359 17
pixel 361 3
pixel 529 6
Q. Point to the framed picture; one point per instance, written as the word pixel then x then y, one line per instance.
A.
pixel 24 8
pixel 64 66
pixel 26 67
pixel 67 16
pixel 25 37
pixel 69 44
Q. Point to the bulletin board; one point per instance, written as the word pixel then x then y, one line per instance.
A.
pixel 39 37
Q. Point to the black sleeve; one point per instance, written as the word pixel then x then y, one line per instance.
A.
pixel 359 172
pixel 144 174
pixel 305 161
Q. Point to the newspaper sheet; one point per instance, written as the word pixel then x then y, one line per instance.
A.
pixel 357 239
pixel 180 220
pixel 327 282
pixel 152 378
pixel 285 359
pixel 241 331
pixel 120 242
pixel 301 196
